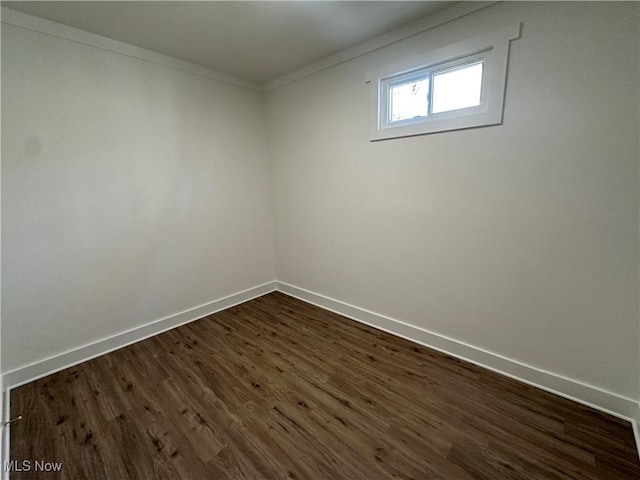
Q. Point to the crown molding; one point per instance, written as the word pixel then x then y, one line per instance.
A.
pixel 434 20
pixel 54 29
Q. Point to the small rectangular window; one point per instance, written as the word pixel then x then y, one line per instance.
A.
pixel 455 87
pixel 415 96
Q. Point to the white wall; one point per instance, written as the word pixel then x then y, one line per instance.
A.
pixel 130 191
pixel 520 239
pixel 2 406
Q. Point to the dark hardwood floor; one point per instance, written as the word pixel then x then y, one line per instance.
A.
pixel 276 388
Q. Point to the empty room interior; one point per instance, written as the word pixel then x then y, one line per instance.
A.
pixel 320 240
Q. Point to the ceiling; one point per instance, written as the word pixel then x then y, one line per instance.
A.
pixel 257 41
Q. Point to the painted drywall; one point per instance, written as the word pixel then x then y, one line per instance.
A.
pixel 520 239
pixel 130 192
pixel 2 406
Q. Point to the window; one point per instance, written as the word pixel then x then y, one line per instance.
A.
pixel 413 97
pixel 456 87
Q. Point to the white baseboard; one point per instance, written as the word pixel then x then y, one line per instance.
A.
pixel 42 368
pixel 577 391
pixel 635 423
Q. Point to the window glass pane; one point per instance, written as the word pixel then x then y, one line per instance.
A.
pixel 409 100
pixel 459 88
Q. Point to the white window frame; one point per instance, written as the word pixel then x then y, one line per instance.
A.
pixel 491 48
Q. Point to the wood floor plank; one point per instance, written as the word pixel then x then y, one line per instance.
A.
pixel 279 389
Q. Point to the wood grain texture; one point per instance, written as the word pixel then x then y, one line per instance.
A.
pixel 276 388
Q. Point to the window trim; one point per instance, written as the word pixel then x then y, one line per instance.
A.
pixel 492 48
pixel 386 84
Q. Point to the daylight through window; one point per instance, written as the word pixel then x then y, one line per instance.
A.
pixel 455 87
pixel 433 92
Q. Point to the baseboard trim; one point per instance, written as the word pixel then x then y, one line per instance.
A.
pixel 605 401
pixel 635 423
pixel 42 368
pixel 608 402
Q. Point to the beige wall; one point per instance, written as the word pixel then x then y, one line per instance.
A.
pixel 520 239
pixel 130 191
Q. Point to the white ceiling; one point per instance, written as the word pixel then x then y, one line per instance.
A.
pixel 256 41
